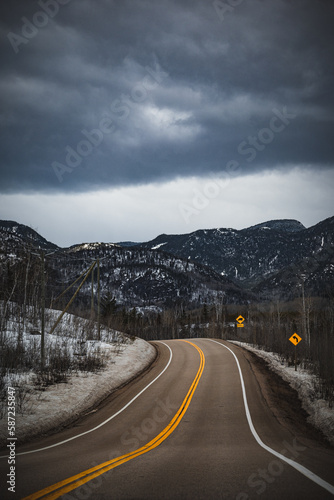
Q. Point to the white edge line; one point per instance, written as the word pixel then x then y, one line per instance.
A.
pixel 108 419
pixel 306 472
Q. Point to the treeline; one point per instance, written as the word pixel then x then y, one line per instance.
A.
pixel 312 318
pixel 268 326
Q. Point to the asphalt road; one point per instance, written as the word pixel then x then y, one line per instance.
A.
pixel 201 429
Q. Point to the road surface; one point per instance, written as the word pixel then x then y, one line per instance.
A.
pixel 194 426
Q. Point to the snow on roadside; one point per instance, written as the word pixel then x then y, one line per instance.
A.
pixel 305 383
pixel 63 402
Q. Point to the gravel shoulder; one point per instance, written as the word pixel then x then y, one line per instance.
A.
pixel 287 403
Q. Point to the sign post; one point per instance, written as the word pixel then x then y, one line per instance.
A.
pixel 240 324
pixel 295 339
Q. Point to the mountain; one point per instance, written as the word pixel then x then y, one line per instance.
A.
pixel 18 235
pixel 143 277
pixel 252 255
pixel 315 275
pixel 285 225
pixel 136 277
pixel 128 243
pixel 314 272
pixel 271 260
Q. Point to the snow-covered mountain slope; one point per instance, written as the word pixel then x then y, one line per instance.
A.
pixel 262 262
pixel 136 277
pixel 143 277
pixel 13 235
pixel 251 255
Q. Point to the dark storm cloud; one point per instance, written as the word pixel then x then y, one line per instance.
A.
pixel 170 89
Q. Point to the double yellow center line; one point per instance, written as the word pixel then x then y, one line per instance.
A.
pixel 71 483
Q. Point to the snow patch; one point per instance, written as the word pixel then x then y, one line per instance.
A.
pixel 158 246
pixel 62 403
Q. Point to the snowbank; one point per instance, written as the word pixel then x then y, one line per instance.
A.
pixel 305 383
pixel 56 405
pixel 62 403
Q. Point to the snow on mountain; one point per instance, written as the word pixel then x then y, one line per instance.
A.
pixel 254 254
pixel 13 234
pixel 91 246
pixel 191 268
pixel 158 246
pixel 135 276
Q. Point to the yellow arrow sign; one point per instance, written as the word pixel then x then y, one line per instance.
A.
pixel 295 339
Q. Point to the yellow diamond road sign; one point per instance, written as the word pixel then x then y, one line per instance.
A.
pixel 295 339
pixel 240 320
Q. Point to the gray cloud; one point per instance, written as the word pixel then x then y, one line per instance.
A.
pixel 172 88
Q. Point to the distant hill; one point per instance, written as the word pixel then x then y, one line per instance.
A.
pixel 136 277
pixel 128 243
pixel 284 225
pixel 254 254
pixel 314 270
pixel 13 234
pixel 271 260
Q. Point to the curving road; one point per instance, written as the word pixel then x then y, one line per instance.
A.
pixel 195 426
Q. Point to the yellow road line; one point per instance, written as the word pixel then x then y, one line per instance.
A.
pixel 58 489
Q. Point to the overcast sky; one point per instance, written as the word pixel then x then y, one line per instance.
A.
pixel 121 120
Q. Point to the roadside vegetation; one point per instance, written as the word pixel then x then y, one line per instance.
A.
pixel 73 349
pixel 268 325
